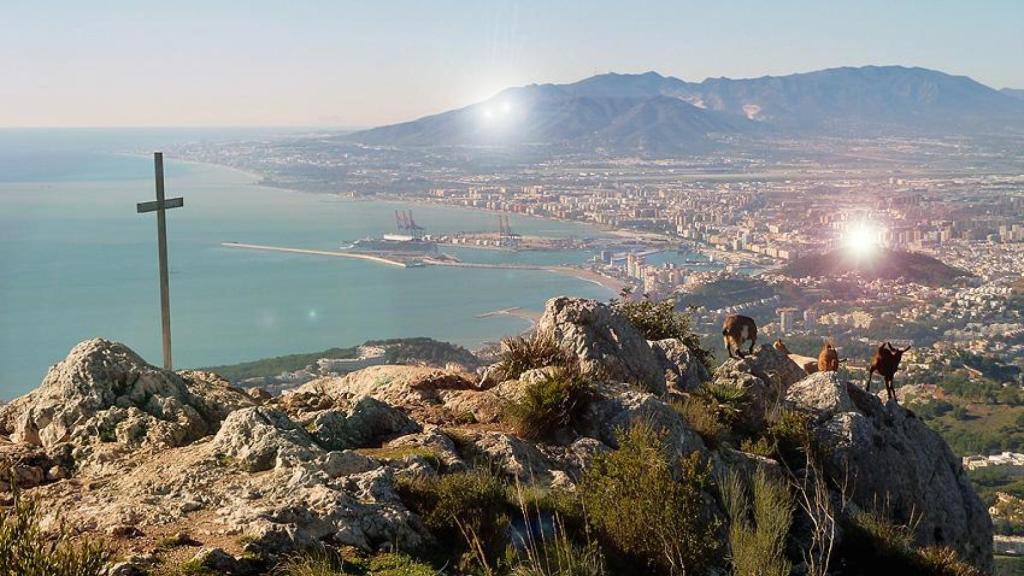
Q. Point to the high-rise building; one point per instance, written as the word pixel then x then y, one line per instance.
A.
pixel 787 317
pixel 810 319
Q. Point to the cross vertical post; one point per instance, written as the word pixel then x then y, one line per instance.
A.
pixel 160 207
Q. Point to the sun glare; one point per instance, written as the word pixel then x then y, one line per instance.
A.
pixel 862 239
pixel 498 111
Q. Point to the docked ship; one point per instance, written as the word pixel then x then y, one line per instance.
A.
pixel 401 244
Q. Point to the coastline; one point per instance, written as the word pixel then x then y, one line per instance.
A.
pixel 611 284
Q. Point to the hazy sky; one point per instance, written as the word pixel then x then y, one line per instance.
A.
pixel 367 62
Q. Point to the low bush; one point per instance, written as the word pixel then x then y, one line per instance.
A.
pixel 759 521
pixel 658 320
pixel 874 544
pixel 329 563
pixel 702 417
pixel 521 353
pixel 551 404
pixel 27 550
pixel 313 563
pixel 730 398
pixel 790 432
pixel 712 410
pixel 388 564
pixel 761 446
pixel 559 555
pixel 647 509
pixel 459 508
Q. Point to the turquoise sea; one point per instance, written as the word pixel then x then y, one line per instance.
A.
pixel 77 261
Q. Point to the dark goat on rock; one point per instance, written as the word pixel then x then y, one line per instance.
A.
pixel 736 330
pixel 886 362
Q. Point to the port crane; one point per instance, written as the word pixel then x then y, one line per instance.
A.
pixel 506 237
pixel 405 221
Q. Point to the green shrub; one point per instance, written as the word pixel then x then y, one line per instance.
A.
pixel 874 543
pixel 702 416
pixel 759 521
pixel 761 447
pixel 730 397
pixel 643 513
pixel 390 564
pixel 551 404
pixel 329 563
pixel 712 410
pixel 458 508
pixel 660 320
pixel 943 561
pixel 521 353
pixel 26 550
pixel 790 431
pixel 313 563
pixel 559 555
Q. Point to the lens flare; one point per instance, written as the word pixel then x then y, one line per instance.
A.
pixel 862 239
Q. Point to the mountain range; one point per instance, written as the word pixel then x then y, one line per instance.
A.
pixel 656 114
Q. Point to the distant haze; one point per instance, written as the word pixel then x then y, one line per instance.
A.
pixel 358 64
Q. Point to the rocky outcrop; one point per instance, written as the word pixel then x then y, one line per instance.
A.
pixel 889 458
pixel 618 406
pixel 764 376
pixel 259 439
pixel 124 449
pixel 683 371
pixel 104 392
pixel 607 345
pixel 425 394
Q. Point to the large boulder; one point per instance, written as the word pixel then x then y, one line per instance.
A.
pixel 683 371
pixel 605 342
pixel 887 457
pixel 104 392
pixel 616 406
pixel 821 393
pixel 365 422
pixel 260 439
pixel 764 376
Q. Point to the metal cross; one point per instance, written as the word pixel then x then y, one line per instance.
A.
pixel 160 205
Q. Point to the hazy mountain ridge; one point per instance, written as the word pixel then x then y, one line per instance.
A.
pixel 1014 92
pixel 661 114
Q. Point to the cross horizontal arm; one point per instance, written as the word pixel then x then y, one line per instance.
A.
pixel 154 205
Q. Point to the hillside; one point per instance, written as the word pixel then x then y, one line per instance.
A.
pixel 555 117
pixel 392 351
pixel 1015 92
pixel 624 451
pixel 884 265
pixel 660 115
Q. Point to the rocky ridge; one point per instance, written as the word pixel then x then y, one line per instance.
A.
pixel 119 447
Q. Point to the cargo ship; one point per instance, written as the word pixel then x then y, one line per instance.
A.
pixel 401 244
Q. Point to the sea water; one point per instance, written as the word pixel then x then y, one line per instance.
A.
pixel 77 261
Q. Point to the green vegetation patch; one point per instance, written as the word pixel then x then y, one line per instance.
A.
pixel 459 509
pixel 27 550
pixel 658 320
pixel 553 403
pixel 759 519
pixel 522 353
pixel 648 509
pixel 874 544
pixel 273 366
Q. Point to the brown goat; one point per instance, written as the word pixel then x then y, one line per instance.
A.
pixel 736 330
pixel 886 362
pixel 781 346
pixel 828 358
